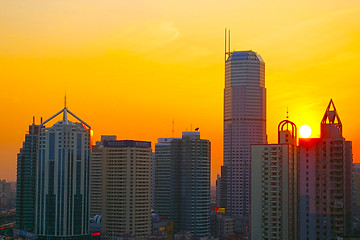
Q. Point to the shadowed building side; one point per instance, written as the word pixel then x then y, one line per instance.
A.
pixel 325 181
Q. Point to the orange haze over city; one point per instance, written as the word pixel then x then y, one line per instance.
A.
pixel 131 68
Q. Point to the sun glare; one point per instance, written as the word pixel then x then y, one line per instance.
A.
pixel 305 131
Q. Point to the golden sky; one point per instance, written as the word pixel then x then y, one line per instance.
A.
pixel 130 67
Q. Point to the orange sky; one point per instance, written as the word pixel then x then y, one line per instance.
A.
pixel 131 67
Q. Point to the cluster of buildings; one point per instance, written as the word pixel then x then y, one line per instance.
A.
pixel 294 189
pixel 68 188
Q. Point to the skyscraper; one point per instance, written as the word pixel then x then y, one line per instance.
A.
pixel 126 188
pixel 26 180
pixel 274 186
pixel 244 125
pixel 182 182
pixel 325 175
pixel 62 188
pixel 356 189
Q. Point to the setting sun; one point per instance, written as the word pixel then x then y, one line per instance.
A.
pixel 305 131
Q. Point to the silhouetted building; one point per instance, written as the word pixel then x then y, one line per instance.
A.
pixel 221 188
pixel 26 180
pixel 325 181
pixel 62 189
pixel 182 182
pixel 274 186
pixel 244 125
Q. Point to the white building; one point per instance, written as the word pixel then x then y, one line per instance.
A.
pixel 62 182
pixel 244 125
pixel 274 187
pixel 126 189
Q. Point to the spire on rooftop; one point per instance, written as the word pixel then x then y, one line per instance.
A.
pixel 332 118
pixel 65 112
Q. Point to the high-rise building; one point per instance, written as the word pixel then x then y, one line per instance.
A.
pixel 62 179
pixel 126 189
pixel 244 125
pixel 274 186
pixel 356 189
pixel 182 182
pixel 96 175
pixel 221 188
pixel 5 193
pixel 26 180
pixel 325 181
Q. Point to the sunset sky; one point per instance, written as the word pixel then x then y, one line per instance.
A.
pixel 130 68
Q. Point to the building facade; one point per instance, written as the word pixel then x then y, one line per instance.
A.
pixel 26 180
pixel 96 175
pixel 62 179
pixel 182 182
pixel 325 181
pixel 126 189
pixel 274 187
pixel 356 189
pixel 244 125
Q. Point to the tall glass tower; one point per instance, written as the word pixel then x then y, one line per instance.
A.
pixel 62 188
pixel 182 182
pixel 244 125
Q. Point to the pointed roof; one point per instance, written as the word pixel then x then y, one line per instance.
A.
pixel 331 116
pixel 65 112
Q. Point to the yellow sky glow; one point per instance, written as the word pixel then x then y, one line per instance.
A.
pixel 130 67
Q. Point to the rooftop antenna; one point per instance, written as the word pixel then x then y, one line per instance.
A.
pixel 287 118
pixel 287 113
pixel 173 127
pixel 65 98
pixel 227 43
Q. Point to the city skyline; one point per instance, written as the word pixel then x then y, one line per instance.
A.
pixel 147 69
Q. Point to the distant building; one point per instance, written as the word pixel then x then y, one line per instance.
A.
pixel 5 187
pixel 26 180
pixel 274 186
pixel 5 194
pixel 221 225
pixel 356 189
pixel 62 176
pixel 221 188
pixel 326 181
pixel 244 125
pixel 182 182
pixel 126 189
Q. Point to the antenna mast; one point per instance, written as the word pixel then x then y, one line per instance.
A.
pixel 227 43
pixel 173 127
